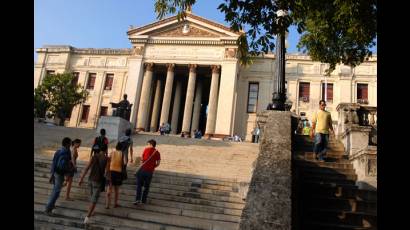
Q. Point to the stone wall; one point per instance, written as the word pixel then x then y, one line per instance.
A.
pixel 268 202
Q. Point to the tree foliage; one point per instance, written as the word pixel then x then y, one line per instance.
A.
pixel 332 31
pixel 58 94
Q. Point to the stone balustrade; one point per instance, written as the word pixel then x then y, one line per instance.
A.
pixel 357 129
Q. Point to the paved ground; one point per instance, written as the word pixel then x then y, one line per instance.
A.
pixel 192 156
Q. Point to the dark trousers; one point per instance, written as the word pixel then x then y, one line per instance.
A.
pixel 143 180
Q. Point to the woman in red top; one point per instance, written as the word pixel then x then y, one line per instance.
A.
pixel 150 160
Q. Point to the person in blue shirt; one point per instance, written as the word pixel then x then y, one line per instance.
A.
pixel 57 176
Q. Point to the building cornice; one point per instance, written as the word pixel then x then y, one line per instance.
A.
pixel 70 49
pixel 183 42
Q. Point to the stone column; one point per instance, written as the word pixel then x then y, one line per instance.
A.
pixel 197 107
pixel 156 107
pixel 186 123
pixel 213 101
pixel 144 100
pixel 166 102
pixel 175 109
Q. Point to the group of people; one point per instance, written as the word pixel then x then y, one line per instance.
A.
pixel 164 128
pixel 107 169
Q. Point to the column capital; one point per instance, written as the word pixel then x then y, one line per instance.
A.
pixel 192 67
pixel 170 67
pixel 215 68
pixel 149 66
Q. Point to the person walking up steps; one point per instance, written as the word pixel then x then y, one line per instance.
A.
pixel 59 167
pixel 114 169
pixel 126 142
pixel 100 141
pixel 150 160
pixel 96 183
pixel 321 125
pixel 74 155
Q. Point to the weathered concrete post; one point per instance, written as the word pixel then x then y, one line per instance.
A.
pixel 268 203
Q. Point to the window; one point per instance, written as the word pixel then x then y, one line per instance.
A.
pixel 103 111
pixel 304 91
pixel 91 81
pixel 84 115
pixel 51 72
pixel 108 81
pixel 329 94
pixel 253 91
pixel 69 115
pixel 75 78
pixel 362 94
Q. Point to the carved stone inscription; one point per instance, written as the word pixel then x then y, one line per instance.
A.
pixel 187 52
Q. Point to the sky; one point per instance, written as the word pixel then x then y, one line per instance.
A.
pixel 104 23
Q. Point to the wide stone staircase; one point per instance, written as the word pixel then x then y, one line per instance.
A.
pixel 175 201
pixel 325 195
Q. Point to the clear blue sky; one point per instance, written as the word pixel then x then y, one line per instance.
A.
pixel 104 23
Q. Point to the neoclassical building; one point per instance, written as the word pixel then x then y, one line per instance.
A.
pixel 187 73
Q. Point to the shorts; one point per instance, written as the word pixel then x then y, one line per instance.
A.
pixel 116 178
pixel 95 190
pixel 71 173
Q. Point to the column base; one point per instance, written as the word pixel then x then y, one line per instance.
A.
pixel 140 129
pixel 215 135
pixel 186 134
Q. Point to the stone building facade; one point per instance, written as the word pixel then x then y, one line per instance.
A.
pixel 187 73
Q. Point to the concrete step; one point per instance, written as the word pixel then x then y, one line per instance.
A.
pixel 131 188
pixel 328 179
pixel 342 217
pixel 48 225
pixel 126 201
pixel 130 197
pixel 46 163
pixel 325 184
pixel 67 215
pixel 323 164
pixel 340 192
pixel 44 172
pixel 327 170
pixel 186 188
pixel 327 226
pixel 58 222
pixel 127 217
pixel 328 175
pixel 340 204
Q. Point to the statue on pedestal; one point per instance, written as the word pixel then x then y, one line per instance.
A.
pixel 123 108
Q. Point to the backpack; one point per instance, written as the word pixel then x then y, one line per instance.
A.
pixel 100 141
pixel 63 164
pixel 125 144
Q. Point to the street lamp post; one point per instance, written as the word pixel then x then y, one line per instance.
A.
pixel 279 95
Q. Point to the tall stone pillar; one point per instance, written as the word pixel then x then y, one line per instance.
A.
pixel 144 100
pixel 213 102
pixel 175 109
pixel 197 107
pixel 156 108
pixel 186 123
pixel 166 102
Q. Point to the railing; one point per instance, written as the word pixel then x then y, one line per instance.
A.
pixel 359 115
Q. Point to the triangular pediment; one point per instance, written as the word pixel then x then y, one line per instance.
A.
pixel 192 26
pixel 186 29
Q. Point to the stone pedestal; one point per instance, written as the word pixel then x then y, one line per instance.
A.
pixel 114 126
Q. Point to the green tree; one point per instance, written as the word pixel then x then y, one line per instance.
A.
pixel 332 31
pixel 58 94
